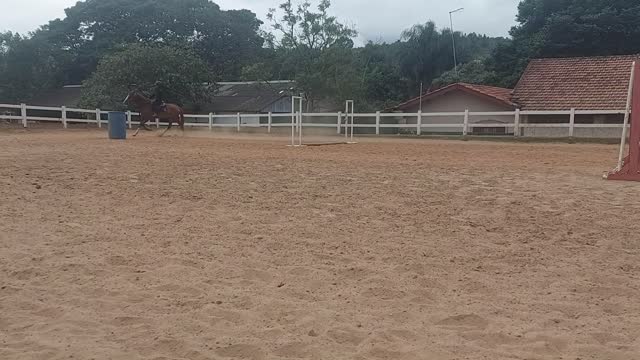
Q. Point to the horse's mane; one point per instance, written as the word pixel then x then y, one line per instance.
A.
pixel 140 97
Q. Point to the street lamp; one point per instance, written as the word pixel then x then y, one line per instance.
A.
pixel 453 39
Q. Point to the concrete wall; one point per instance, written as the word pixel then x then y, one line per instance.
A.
pixel 578 132
pixel 458 101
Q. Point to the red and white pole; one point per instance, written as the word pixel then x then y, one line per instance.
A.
pixel 630 169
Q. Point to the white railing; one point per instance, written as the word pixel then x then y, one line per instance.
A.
pixel 424 121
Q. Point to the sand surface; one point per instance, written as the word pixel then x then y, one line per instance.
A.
pixel 221 248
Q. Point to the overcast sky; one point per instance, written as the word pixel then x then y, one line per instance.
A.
pixel 376 20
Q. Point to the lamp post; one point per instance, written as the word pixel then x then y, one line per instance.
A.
pixel 453 39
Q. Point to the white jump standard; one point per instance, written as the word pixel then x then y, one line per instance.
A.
pixel 297 124
pixel 296 121
pixel 349 121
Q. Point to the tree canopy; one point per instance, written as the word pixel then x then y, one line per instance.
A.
pixel 314 49
pixel 305 43
pixel 473 72
pixel 317 51
pixel 28 65
pixel 68 51
pixel 186 76
pixel 564 28
pixel 91 29
pixel 428 52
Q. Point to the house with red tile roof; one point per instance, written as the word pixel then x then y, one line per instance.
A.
pixel 580 83
pixel 458 98
pixel 557 84
pixel 583 83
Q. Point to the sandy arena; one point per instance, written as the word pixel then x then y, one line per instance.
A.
pixel 220 248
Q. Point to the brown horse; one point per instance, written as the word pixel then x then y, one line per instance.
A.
pixel 171 113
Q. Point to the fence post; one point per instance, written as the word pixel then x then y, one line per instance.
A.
pixel 419 132
pixel 377 122
pixel 300 126
pixel 572 122
pixel 129 119
pixel 23 112
pixel 157 122
pixel 465 126
pixel 269 122
pixel 516 124
pixel 210 121
pixel 98 118
pixel 339 121
pixel 64 117
pixel 238 122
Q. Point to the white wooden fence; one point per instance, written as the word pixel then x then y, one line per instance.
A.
pixel 424 122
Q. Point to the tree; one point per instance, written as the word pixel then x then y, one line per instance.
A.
pixel 562 28
pixel 427 52
pixel 314 49
pixel 26 66
pixel 300 28
pixel 225 39
pixel 473 72
pixel 186 75
pixel 379 68
pixel 317 51
pixel 67 51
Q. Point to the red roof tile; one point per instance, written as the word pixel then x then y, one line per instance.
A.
pixel 588 83
pixel 491 93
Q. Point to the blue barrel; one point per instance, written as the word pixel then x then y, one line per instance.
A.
pixel 117 125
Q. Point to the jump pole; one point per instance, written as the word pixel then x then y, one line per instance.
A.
pixel 349 121
pixel 296 121
pixel 628 168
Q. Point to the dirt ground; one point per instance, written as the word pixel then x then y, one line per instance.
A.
pixel 222 248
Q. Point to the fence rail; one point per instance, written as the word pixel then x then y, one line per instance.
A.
pixel 459 122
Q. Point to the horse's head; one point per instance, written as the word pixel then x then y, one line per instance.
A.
pixel 134 95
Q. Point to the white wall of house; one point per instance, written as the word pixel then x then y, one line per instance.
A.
pixel 281 106
pixel 458 101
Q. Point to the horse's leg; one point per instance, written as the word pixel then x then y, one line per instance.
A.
pixel 169 127
pixel 148 116
pixel 139 126
pixel 144 118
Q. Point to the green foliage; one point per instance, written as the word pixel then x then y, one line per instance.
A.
pixel 564 28
pixel 28 65
pixel 91 29
pixel 314 49
pixel 428 52
pixel 301 28
pixel 317 51
pixel 305 44
pixel 181 70
pixel 473 72
pixel 67 51
pixel 382 81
